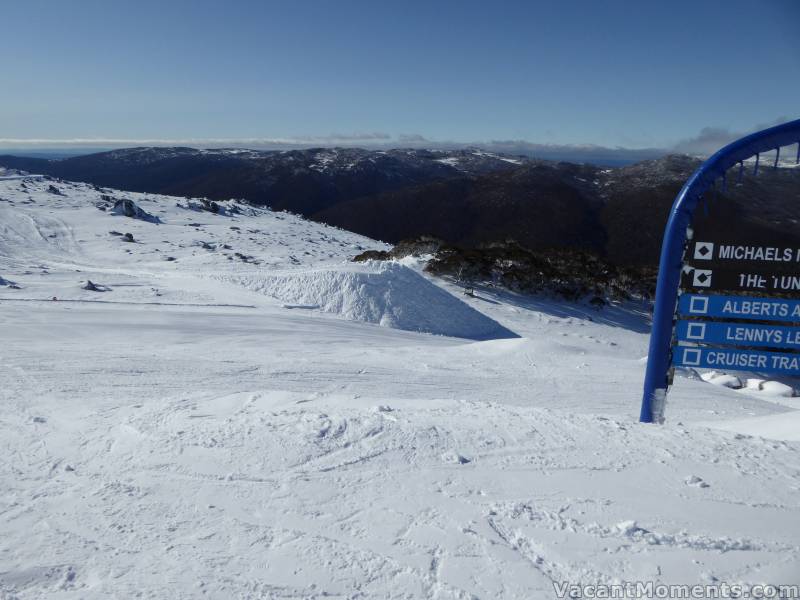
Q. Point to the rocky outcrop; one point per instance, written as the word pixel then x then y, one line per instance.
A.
pixel 129 208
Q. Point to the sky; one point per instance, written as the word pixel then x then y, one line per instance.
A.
pixel 644 74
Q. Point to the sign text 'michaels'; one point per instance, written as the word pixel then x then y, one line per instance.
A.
pixel 759 253
pixel 743 252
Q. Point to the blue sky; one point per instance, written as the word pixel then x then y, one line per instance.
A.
pixel 613 73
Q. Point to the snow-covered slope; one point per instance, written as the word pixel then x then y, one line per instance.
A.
pixel 229 419
pixel 56 238
pixel 6 174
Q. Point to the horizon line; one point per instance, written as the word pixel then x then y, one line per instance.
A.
pixel 373 140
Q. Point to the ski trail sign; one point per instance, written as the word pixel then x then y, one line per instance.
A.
pixel 694 325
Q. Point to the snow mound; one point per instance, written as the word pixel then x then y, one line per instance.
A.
pixel 780 426
pixel 771 388
pixel 386 293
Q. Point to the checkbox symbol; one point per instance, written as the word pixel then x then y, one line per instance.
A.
pixel 696 331
pixel 698 305
pixel 691 357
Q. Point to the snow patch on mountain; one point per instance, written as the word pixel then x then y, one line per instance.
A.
pixel 484 154
pixel 6 173
pixel 450 161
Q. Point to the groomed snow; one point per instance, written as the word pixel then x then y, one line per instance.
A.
pixel 206 428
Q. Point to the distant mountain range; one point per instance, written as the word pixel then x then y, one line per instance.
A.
pixel 303 181
pixel 467 197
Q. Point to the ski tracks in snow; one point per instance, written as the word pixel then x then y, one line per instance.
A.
pixel 455 500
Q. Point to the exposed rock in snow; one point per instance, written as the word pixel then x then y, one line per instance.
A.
pixel 129 208
pixel 455 458
pixel 723 379
pixel 93 287
pixel 695 481
pixel 6 283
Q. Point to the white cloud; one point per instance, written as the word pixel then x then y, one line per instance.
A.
pixel 254 142
pixel 711 139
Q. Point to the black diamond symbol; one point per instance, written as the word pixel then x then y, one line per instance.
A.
pixel 703 250
pixel 702 278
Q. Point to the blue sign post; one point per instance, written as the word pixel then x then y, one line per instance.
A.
pixel 659 361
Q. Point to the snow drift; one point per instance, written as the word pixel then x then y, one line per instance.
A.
pixel 386 293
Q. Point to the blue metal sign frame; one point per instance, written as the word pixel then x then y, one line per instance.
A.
pixel 657 375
